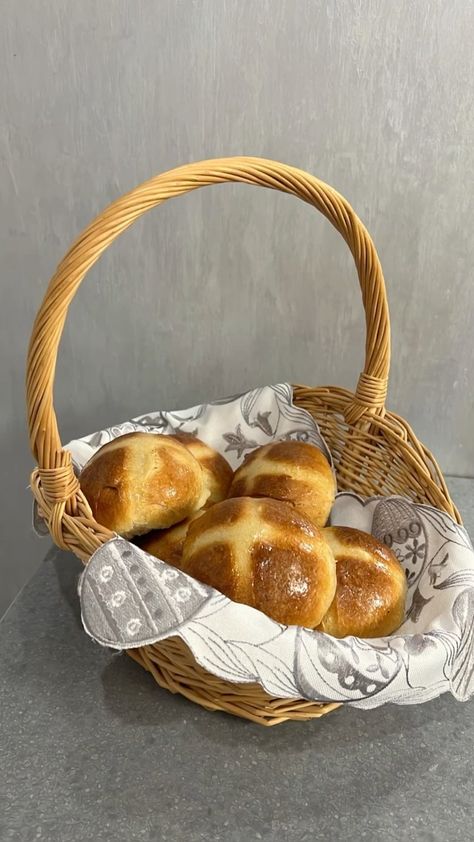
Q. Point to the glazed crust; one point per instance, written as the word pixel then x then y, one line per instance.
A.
pixel 292 471
pixel 263 553
pixel 143 481
pixel 167 544
pixel 218 473
pixel 371 586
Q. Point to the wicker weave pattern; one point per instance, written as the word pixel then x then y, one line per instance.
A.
pixel 374 450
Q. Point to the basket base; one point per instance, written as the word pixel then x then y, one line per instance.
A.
pixel 173 667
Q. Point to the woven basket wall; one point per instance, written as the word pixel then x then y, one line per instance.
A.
pixel 375 451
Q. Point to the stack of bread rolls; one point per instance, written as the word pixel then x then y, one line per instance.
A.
pixel 258 535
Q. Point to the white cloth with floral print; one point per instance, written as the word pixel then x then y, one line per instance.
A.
pixel 130 599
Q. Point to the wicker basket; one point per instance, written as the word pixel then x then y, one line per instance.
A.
pixel 374 451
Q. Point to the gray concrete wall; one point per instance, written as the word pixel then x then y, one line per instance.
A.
pixel 234 286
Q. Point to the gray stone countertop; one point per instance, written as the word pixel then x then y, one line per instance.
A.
pixel 92 749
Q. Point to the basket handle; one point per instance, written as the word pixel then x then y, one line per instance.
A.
pixel 54 463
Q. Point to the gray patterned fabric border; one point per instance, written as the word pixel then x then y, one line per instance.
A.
pixel 130 599
pixel 234 426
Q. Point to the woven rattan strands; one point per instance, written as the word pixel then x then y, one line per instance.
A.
pixel 375 451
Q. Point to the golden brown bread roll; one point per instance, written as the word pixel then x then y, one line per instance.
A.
pixel 263 553
pixel 143 481
pixel 371 586
pixel 293 471
pixel 218 473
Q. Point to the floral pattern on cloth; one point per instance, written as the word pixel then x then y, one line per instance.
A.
pixel 234 426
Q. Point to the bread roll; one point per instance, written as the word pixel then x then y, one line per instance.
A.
pixel 217 471
pixel 265 554
pixel 292 471
pixel 371 586
pixel 143 481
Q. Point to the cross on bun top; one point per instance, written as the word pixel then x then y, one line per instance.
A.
pixel 217 471
pixel 371 586
pixel 263 553
pixel 293 471
pixel 143 481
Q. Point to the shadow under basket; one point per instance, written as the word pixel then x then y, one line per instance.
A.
pixel 374 450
